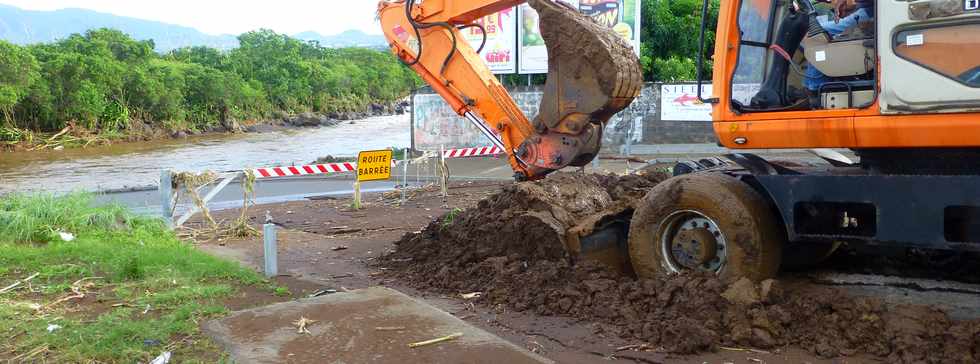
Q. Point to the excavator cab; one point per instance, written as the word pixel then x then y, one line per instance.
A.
pixel 794 56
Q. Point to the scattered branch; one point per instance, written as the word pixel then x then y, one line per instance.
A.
pixel 436 340
pixel 303 324
pixel 18 283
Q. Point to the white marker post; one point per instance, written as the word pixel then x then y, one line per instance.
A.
pixel 166 197
pixel 271 253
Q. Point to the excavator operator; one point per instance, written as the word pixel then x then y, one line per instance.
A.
pixel 857 11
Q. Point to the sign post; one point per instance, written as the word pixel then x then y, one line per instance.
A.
pixel 357 195
pixel 372 165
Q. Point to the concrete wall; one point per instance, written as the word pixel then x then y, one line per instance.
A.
pixel 435 124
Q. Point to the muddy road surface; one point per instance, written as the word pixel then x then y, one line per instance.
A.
pixel 490 238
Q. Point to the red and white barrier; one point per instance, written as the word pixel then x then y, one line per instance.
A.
pixel 304 170
pixel 472 152
pixel 273 172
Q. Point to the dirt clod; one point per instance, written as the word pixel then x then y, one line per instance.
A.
pixel 771 291
pixel 742 292
pixel 511 248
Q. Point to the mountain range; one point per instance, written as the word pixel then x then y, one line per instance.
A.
pixel 27 27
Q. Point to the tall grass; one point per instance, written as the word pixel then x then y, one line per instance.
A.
pixel 37 218
pixel 140 263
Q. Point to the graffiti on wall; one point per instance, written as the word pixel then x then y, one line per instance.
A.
pixel 436 125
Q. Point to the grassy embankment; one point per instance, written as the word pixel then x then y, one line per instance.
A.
pixel 124 289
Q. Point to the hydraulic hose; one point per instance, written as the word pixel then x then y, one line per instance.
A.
pixel 483 31
pixel 416 26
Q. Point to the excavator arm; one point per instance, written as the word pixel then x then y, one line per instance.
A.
pixel 593 73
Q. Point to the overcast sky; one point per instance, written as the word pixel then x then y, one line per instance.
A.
pixel 234 16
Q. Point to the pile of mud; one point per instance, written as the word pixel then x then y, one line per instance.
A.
pixel 506 248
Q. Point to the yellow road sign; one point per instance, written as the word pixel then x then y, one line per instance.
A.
pixel 374 165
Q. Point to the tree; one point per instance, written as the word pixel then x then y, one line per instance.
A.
pixel 204 56
pixel 103 79
pixel 18 71
pixel 670 36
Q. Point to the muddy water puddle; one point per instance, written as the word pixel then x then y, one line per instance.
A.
pixel 139 164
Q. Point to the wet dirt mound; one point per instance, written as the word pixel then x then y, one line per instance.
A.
pixel 525 222
pixel 511 248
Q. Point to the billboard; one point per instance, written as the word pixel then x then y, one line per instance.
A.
pixel 679 102
pixel 623 16
pixel 498 53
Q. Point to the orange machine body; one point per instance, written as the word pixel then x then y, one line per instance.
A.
pixel 853 128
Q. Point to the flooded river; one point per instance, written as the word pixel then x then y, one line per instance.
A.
pixel 139 164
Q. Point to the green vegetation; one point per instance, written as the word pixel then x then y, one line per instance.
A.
pixel 450 217
pixel 145 290
pixel 670 32
pixel 104 81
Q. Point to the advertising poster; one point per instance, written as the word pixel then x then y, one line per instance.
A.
pixel 680 103
pixel 623 16
pixel 499 52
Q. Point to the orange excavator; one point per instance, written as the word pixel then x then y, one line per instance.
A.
pixel 899 87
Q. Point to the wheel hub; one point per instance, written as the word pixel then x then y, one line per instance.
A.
pixel 692 241
pixel 695 247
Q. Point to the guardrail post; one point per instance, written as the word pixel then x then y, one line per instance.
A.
pixel 166 197
pixel 629 141
pixel 443 174
pixel 271 253
pixel 405 172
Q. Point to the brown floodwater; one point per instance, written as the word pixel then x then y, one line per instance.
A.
pixel 128 165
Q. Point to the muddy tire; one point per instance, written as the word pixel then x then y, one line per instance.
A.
pixel 705 221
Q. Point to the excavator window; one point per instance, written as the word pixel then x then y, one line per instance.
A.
pixel 788 60
pixel 755 23
pixel 936 54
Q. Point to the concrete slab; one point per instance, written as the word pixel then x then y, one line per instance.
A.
pixel 347 331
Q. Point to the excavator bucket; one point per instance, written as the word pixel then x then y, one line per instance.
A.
pixel 593 73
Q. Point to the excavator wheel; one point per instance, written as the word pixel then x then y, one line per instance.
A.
pixel 707 222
